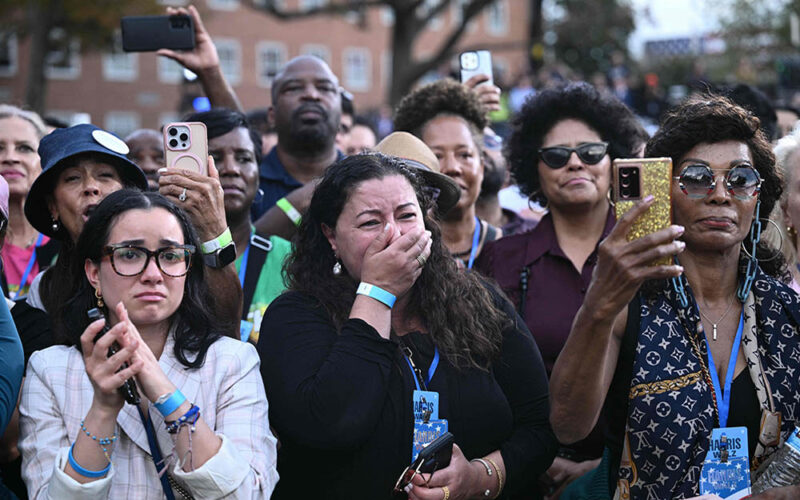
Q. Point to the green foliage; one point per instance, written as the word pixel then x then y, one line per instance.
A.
pixel 590 31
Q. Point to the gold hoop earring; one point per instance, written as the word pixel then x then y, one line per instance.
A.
pixel 609 198
pixel 99 298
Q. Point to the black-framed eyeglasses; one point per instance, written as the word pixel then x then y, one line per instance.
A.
pixel 590 153
pixel 698 181
pixel 132 260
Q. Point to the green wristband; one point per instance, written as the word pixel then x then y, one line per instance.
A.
pixel 220 241
pixel 290 211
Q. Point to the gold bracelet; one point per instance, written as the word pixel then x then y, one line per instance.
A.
pixel 499 476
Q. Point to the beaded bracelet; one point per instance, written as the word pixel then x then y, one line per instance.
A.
pixel 193 414
pixel 103 442
pixel 86 472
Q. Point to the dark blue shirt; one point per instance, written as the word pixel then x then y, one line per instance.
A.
pixel 275 182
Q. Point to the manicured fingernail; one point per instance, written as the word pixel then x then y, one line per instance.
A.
pixel 162 170
pixel 408 488
pixel 678 229
pixel 648 198
pixel 681 245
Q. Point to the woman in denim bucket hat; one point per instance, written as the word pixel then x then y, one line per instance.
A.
pixel 81 165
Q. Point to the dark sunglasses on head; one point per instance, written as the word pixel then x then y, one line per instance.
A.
pixel 698 181
pixel 590 153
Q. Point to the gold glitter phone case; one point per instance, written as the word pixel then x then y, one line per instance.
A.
pixel 635 179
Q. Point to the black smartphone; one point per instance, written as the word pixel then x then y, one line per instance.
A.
pixel 127 389
pixel 433 457
pixel 150 33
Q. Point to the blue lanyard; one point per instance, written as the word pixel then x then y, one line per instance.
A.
pixel 29 266
pixel 476 236
pixel 155 452
pixel 431 369
pixel 243 264
pixel 724 398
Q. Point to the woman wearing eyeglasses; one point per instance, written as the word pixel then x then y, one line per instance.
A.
pixel 560 152
pixel 200 424
pixel 684 353
pixel 449 118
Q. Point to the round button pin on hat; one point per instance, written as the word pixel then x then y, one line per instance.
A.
pixel 110 141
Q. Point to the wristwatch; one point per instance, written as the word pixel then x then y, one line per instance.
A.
pixel 220 251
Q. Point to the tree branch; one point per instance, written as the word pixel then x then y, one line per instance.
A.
pixel 445 49
pixel 329 8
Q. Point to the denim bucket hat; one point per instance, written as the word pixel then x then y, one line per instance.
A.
pixel 63 144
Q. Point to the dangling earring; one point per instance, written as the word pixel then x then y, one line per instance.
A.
pixel 337 266
pixel 55 225
pixel 259 197
pixel 99 298
pixel 752 262
pixel 610 198
pixel 541 207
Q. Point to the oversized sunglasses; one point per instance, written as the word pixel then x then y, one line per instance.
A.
pixel 698 181
pixel 132 260
pixel 590 153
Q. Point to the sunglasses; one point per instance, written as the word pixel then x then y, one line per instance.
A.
pixel 698 181
pixel 590 153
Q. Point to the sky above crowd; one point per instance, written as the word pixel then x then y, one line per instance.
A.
pixel 664 19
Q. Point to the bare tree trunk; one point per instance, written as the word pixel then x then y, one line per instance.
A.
pixel 536 34
pixel 39 20
pixel 402 62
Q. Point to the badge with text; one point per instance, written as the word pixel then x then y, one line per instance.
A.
pixel 726 469
pixel 426 405
pixel 425 433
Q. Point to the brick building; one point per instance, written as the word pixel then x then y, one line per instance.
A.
pixel 123 92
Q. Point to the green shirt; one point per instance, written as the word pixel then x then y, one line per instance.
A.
pixel 270 284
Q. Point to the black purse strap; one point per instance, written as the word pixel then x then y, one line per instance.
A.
pixel 259 248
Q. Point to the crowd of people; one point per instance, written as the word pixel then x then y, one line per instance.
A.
pixel 316 305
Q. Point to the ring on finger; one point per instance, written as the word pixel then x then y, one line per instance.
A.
pixel 421 260
pixel 446 491
pixel 182 196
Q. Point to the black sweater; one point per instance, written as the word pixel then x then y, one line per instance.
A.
pixel 340 403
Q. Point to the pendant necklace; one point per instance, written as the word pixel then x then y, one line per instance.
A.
pixel 713 324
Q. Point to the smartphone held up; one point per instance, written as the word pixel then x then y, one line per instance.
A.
pixel 635 179
pixel 186 146
pixel 151 33
pixel 476 62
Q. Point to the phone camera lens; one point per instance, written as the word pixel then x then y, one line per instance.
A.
pixel 184 137
pixel 173 131
pixel 625 182
pixel 624 172
pixel 173 143
pixel 625 193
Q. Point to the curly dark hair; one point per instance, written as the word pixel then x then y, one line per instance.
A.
pixel 607 116
pixel 442 97
pixel 709 118
pixel 198 328
pixel 220 121
pixel 456 307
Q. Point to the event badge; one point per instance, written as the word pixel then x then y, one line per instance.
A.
pixel 426 405
pixel 726 469
pixel 245 327
pixel 427 426
pixel 425 433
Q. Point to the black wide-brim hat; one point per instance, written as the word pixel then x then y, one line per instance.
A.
pixel 418 155
pixel 63 144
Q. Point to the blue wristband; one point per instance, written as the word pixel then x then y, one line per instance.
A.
pixel 376 293
pixel 167 405
pixel 85 472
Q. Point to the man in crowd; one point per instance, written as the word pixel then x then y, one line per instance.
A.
pixel 306 107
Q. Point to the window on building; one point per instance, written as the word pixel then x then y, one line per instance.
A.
pixel 387 16
pixel 270 58
pixel 386 67
pixel 120 66
pixel 230 59
pixel 8 53
pixel 357 69
pixel 317 50
pixel 122 123
pixel 169 71
pixel 458 14
pixel 424 11
pixel 223 4
pixel 173 3
pixel 63 60
pixel 312 4
pixel 497 18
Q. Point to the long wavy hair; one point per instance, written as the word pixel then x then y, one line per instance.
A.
pixel 197 330
pixel 455 307
pixel 709 118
